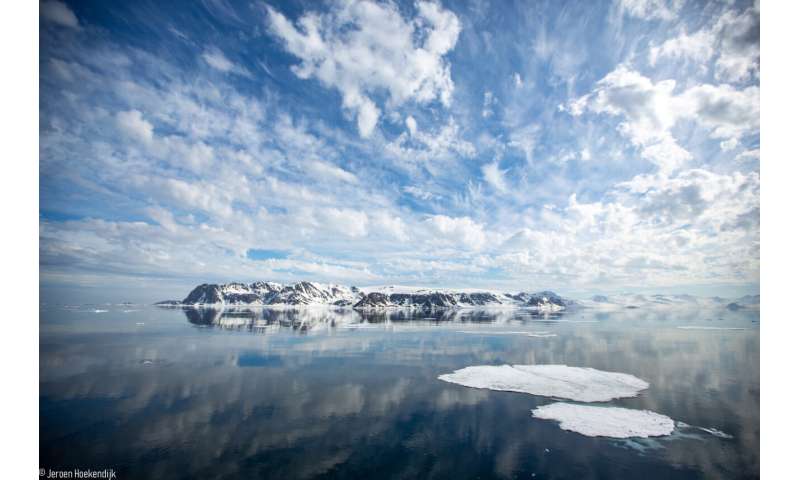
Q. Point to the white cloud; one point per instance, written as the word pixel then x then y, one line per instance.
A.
pixel 326 171
pixel 457 230
pixel 651 110
pixel 698 47
pixel 489 100
pixel 411 124
pixel 424 147
pixel 363 48
pixel 729 144
pixel 345 221
pixel 494 176
pixel 733 39
pixel 651 9
pixel 58 12
pixel 524 139
pixel 218 61
pixel 131 123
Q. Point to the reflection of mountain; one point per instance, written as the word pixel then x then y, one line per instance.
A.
pixel 310 293
pixel 310 319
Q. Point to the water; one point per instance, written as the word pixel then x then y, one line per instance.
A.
pixel 167 393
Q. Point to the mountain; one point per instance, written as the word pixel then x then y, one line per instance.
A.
pixel 318 294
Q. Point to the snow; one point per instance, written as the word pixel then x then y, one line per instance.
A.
pixel 614 422
pixel 559 381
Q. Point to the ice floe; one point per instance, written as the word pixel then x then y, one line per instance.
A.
pixel 489 332
pixel 613 422
pixel 558 381
pixel 699 327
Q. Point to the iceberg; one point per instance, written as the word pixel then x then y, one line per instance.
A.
pixel 558 381
pixel 614 422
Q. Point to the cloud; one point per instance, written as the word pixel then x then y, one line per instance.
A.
pixel 218 61
pixel 58 13
pixel 734 39
pixel 364 49
pixel 131 123
pixel 494 176
pixel 422 146
pixel 698 47
pixel 326 171
pixel 651 110
pixel 411 124
pixel 458 230
pixel 651 9
pixel 488 102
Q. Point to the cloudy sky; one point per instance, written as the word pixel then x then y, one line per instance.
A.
pixel 576 146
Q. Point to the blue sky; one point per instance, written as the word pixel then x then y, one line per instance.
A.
pixel 576 146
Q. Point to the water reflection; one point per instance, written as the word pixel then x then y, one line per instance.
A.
pixel 364 403
pixel 310 319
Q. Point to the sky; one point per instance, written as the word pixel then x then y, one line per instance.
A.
pixel 582 147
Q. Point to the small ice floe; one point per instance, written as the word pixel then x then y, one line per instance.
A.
pixel 613 422
pixel 542 334
pixel 139 324
pixel 715 432
pixel 709 430
pixel 99 311
pixel 559 381
pixel 489 332
pixel 700 327
pixel 361 326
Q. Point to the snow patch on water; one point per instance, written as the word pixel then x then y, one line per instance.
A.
pixel 559 381
pixel 614 422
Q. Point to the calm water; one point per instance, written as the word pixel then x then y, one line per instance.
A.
pixel 167 393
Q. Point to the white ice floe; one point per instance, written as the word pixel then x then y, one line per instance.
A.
pixel 709 430
pixel 715 432
pixel 542 335
pixel 489 332
pixel 699 327
pixel 559 381
pixel 614 422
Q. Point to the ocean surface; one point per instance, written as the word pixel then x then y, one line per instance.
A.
pixel 167 393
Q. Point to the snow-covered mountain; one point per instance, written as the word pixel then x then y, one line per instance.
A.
pixel 318 294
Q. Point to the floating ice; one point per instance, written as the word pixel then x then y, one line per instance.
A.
pixel 542 334
pixel 715 432
pixel 698 327
pixel 489 332
pixel 614 422
pixel 560 381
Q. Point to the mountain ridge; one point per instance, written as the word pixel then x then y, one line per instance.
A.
pixel 305 293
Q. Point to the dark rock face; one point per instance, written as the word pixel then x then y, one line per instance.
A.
pixel 375 300
pixel 204 294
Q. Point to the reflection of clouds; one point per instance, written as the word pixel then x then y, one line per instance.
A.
pixel 346 399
